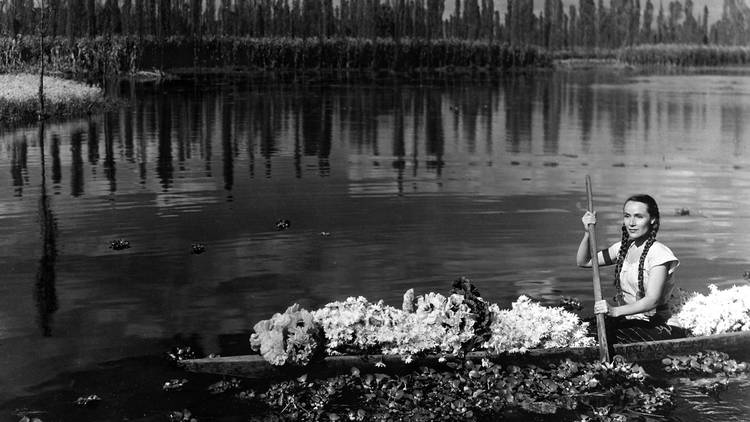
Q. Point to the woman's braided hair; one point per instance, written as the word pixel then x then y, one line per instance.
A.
pixel 653 212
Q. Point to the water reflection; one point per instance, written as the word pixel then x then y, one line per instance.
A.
pixel 175 132
pixel 44 291
pixel 76 163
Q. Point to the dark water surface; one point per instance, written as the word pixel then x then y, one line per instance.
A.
pixel 387 185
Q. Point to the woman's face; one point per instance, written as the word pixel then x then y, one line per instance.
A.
pixel 636 219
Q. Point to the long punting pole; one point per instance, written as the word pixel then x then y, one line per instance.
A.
pixel 600 327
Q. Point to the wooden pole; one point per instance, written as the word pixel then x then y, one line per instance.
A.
pixel 600 327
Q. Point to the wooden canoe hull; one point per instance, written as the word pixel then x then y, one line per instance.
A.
pixel 255 367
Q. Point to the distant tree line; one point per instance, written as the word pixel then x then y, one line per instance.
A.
pixel 591 24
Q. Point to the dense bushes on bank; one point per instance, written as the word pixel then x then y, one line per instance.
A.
pixel 117 55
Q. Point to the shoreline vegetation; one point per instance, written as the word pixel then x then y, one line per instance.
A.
pixel 96 60
pixel 19 98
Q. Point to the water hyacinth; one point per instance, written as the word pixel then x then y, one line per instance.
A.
pixel 530 325
pixel 720 311
pixel 473 392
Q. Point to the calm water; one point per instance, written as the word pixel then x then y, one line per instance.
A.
pixel 414 184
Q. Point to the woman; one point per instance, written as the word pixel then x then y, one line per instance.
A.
pixel 644 269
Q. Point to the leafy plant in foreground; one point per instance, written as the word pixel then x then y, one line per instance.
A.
pixel 474 391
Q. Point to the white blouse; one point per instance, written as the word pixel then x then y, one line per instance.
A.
pixel 658 254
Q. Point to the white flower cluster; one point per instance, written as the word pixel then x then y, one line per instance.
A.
pixel 530 325
pixel 720 311
pixel 438 323
pixel 356 325
pixel 428 323
pixel 291 337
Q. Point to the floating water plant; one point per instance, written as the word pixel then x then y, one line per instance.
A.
pixel 181 416
pixel 179 353
pixel 708 362
pixel 472 391
pixel 224 385
pixel 88 400
pixel 119 244
pixel 283 224
pixel 174 384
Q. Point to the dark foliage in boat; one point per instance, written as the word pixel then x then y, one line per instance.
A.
pixel 463 286
pixel 571 303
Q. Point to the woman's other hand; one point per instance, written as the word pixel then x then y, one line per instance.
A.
pixel 588 218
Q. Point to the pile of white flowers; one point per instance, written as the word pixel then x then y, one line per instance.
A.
pixel 451 325
pixel 720 311
pixel 292 337
pixel 431 323
pixel 529 325
pixel 437 323
pixel 356 325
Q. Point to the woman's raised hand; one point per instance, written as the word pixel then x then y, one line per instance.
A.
pixel 601 307
pixel 588 218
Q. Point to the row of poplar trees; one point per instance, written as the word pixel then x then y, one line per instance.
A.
pixel 589 24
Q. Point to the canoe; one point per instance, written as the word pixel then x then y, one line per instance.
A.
pixel 255 367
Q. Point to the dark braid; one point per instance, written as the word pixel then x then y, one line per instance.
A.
pixel 624 245
pixel 649 242
pixel 653 211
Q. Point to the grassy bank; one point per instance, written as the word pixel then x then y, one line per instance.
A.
pixel 118 55
pixel 682 55
pixel 19 98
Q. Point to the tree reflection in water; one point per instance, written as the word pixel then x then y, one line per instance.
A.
pixel 44 291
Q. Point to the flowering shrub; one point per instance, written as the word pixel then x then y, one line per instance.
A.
pixel 292 337
pixel 720 311
pixel 530 325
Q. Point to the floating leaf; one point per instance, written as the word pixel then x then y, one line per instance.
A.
pixel 174 384
pixel 88 400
